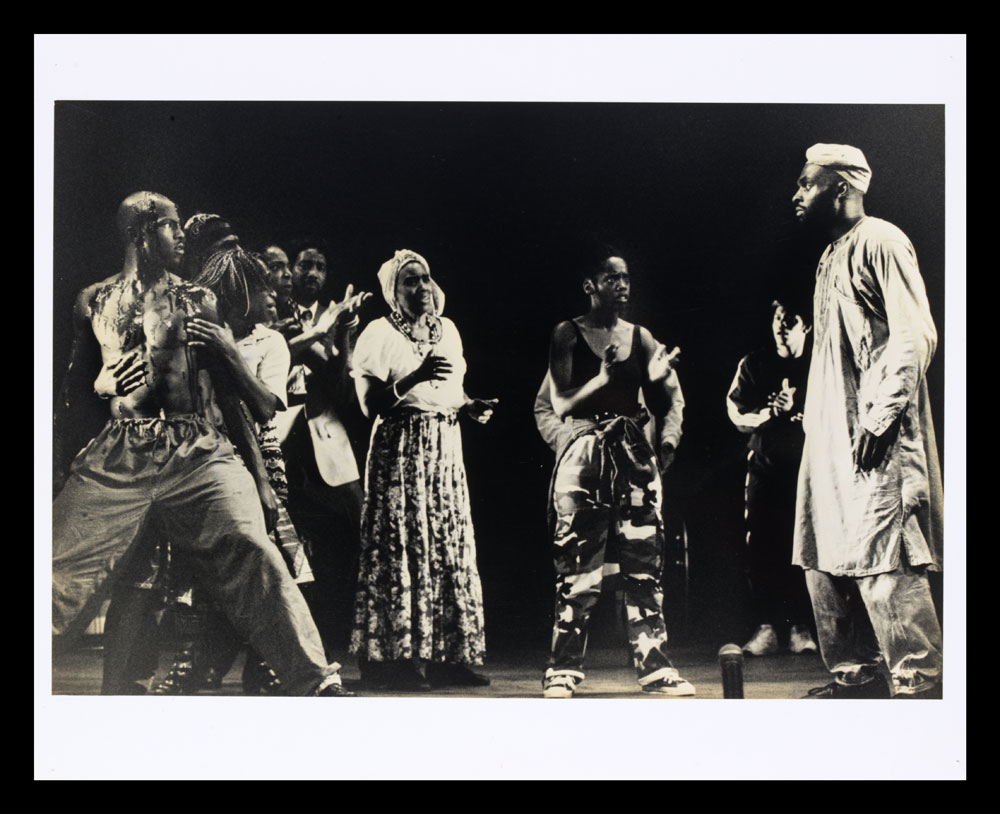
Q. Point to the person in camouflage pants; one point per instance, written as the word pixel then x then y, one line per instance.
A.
pixel 607 481
pixel 607 478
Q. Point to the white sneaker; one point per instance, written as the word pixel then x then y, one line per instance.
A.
pixel 559 685
pixel 800 640
pixel 671 684
pixel 763 643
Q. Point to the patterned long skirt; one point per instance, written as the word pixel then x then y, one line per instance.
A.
pixel 419 594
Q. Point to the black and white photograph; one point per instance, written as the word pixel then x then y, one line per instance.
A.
pixel 391 388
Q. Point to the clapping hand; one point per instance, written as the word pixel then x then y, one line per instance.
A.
pixel 336 311
pixel 783 400
pixel 607 365
pixel 662 362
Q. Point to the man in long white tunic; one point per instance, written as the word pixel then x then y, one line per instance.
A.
pixel 868 515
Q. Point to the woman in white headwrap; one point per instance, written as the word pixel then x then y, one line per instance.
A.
pixel 419 597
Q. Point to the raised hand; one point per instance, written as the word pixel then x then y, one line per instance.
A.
pixel 336 311
pixel 480 410
pixel 662 362
pixel 121 378
pixel 328 318
pixel 352 302
pixel 606 373
pixel 783 400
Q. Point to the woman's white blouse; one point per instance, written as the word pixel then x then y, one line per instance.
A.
pixel 384 353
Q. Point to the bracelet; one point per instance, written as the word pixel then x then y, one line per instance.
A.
pixel 396 392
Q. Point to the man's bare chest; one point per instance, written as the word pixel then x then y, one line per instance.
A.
pixel 124 317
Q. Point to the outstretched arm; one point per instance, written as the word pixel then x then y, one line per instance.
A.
pixel 326 338
pixel 327 347
pixel 662 389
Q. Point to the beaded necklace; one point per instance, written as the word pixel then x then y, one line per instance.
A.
pixel 406 329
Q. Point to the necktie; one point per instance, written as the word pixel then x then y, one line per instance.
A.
pixel 306 316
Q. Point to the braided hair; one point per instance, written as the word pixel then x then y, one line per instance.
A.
pixel 237 278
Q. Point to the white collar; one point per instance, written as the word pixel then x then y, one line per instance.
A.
pixel 312 309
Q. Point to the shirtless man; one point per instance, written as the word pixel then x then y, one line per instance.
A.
pixel 607 479
pixel 162 459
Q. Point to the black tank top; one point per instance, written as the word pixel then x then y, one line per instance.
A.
pixel 619 398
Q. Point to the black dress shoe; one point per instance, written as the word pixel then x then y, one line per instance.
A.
pixel 876 688
pixel 454 675
pixel 404 676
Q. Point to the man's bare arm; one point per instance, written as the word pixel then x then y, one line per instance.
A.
pixel 565 400
pixel 238 425
pixel 218 339
pixel 84 362
pixel 662 389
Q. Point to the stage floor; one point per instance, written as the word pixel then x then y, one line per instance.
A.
pixel 518 675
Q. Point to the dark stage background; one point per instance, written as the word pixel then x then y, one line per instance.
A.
pixel 696 197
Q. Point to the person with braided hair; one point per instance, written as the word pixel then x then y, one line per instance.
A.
pixel 163 459
pixel 258 360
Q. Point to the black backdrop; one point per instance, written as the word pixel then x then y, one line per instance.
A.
pixel 697 197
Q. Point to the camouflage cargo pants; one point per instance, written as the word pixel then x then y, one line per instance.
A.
pixel 608 482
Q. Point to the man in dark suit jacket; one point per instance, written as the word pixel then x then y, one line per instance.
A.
pixel 325 493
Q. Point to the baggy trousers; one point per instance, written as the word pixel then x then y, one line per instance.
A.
pixel 180 472
pixel 608 481
pixel 884 618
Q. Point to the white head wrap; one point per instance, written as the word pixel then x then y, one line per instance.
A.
pixel 389 273
pixel 848 162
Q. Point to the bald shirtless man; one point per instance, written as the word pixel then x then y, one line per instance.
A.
pixel 162 459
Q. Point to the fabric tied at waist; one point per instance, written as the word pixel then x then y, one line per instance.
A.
pixel 161 435
pixel 621 446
